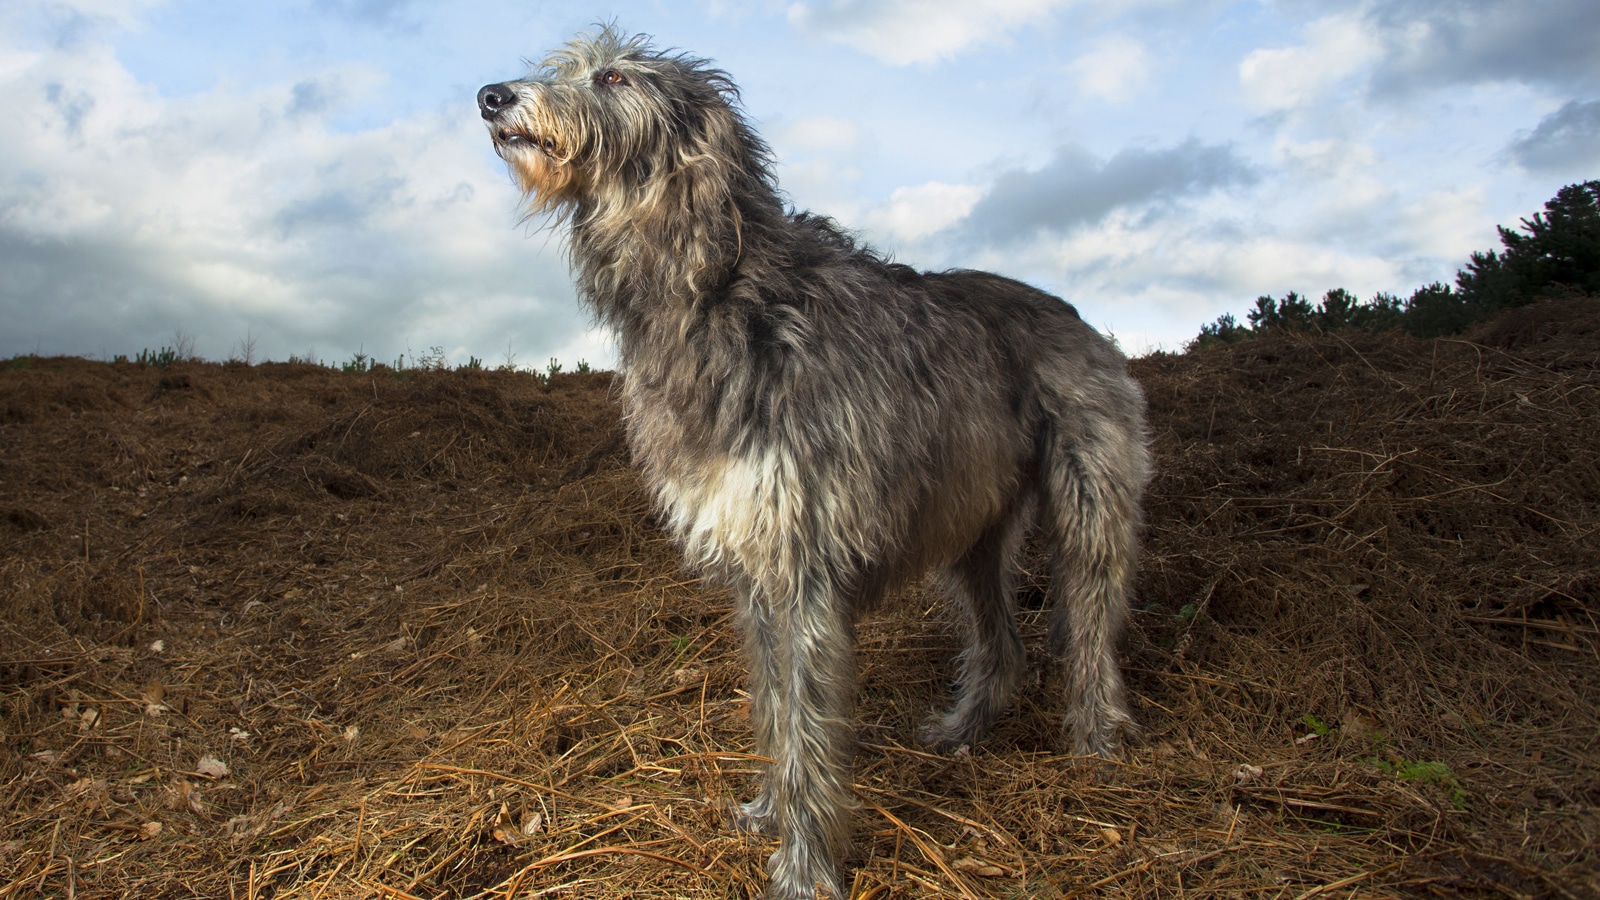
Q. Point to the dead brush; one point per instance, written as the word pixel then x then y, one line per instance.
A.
pixel 1395 536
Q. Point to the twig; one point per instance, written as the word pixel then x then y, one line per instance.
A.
pixel 928 852
pixel 1346 882
pixel 533 785
pixel 626 851
pixel 1000 836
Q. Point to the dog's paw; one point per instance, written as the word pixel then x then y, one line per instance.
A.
pixel 793 880
pixel 1100 766
pixel 941 736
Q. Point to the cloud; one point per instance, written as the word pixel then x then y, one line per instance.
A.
pixel 125 215
pixel 1336 47
pixel 1431 43
pixel 1325 158
pixel 913 213
pixel 1151 242
pixel 916 31
pixel 1125 256
pixel 379 13
pixel 122 13
pixel 1444 224
pixel 1566 140
pixel 1153 282
pixel 820 133
pixel 1116 67
pixel 1393 49
pixel 900 32
pixel 819 164
pixel 1076 188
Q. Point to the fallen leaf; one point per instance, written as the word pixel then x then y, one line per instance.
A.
pixel 152 695
pixel 1246 773
pixel 532 824
pixel 82 786
pixel 182 794
pixel 211 767
pixel 1359 725
pixel 1111 835
pixel 977 867
pixel 149 830
pixel 506 831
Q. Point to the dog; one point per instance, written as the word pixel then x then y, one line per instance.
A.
pixel 818 425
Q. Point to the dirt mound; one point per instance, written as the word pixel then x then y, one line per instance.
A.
pixel 280 631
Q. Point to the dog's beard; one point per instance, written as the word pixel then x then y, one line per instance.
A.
pixel 540 161
pixel 545 182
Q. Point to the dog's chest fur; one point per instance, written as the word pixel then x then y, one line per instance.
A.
pixel 730 493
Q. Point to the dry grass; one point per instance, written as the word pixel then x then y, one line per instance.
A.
pixel 286 632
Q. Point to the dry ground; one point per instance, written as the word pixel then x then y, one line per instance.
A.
pixel 281 631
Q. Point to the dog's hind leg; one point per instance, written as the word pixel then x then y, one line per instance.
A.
pixel 1094 476
pixel 993 662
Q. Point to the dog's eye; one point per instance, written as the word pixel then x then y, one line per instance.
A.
pixel 612 76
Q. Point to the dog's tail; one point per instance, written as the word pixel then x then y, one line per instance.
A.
pixel 1095 464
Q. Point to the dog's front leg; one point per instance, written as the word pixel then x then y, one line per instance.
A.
pixel 761 659
pixel 802 692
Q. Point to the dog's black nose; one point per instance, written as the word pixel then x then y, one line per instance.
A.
pixel 495 97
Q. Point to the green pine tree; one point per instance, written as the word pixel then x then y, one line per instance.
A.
pixel 1556 251
pixel 1435 311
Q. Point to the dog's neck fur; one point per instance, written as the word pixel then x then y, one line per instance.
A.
pixel 657 248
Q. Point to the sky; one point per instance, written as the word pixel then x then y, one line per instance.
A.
pixel 312 178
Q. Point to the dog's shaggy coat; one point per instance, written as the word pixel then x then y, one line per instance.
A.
pixel 819 425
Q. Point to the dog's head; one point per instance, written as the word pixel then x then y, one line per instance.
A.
pixel 609 116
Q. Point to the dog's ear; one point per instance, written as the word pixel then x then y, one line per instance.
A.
pixel 701 220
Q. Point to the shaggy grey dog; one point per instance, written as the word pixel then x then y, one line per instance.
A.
pixel 819 425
